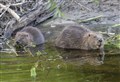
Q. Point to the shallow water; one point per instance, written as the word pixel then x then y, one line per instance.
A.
pixel 61 66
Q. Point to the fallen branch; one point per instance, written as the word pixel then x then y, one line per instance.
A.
pixel 4 10
pixel 10 11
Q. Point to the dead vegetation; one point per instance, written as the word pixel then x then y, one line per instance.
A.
pixel 15 14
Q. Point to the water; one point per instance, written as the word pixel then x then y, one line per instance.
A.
pixel 61 66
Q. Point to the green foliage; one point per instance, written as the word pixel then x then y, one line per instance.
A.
pixel 33 45
pixel 58 13
pixel 113 41
pixel 53 5
pixel 39 53
pixel 96 1
pixel 33 72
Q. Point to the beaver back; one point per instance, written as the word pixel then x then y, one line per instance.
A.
pixel 76 37
pixel 38 37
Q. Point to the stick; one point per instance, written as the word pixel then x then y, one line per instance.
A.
pixel 115 25
pixel 10 11
pixel 17 4
pixel 29 52
pixel 11 47
pixel 107 33
pixel 82 5
pixel 5 10
pixel 90 19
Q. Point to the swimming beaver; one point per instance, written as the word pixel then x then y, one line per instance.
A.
pixel 76 37
pixel 30 37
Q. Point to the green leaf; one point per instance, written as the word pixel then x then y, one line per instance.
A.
pixel 33 72
pixel 52 4
pixel 58 13
pixel 39 53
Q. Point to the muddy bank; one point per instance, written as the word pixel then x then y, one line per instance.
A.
pixel 52 30
pixel 108 10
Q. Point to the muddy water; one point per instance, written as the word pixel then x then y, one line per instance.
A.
pixel 61 66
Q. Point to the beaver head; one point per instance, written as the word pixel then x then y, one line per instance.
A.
pixel 93 40
pixel 23 39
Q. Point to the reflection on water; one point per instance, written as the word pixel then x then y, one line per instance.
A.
pixel 73 66
pixel 80 57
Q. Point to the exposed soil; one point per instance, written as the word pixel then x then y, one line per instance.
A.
pixel 109 10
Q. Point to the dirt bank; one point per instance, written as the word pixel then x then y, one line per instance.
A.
pixel 107 11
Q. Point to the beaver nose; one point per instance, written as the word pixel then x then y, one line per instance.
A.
pixel 100 40
pixel 17 42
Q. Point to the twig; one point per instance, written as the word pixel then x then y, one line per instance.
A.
pixel 4 11
pixel 115 25
pixel 110 34
pixel 10 11
pixel 29 52
pixel 82 5
pixel 12 48
pixel 89 19
pixel 17 4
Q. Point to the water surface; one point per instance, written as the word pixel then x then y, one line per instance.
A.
pixel 61 66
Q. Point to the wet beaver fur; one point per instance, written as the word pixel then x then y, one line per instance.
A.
pixel 29 36
pixel 77 37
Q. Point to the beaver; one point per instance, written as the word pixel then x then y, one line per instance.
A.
pixel 77 37
pixel 30 37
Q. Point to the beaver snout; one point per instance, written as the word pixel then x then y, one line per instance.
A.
pixel 100 40
pixel 100 43
pixel 18 42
